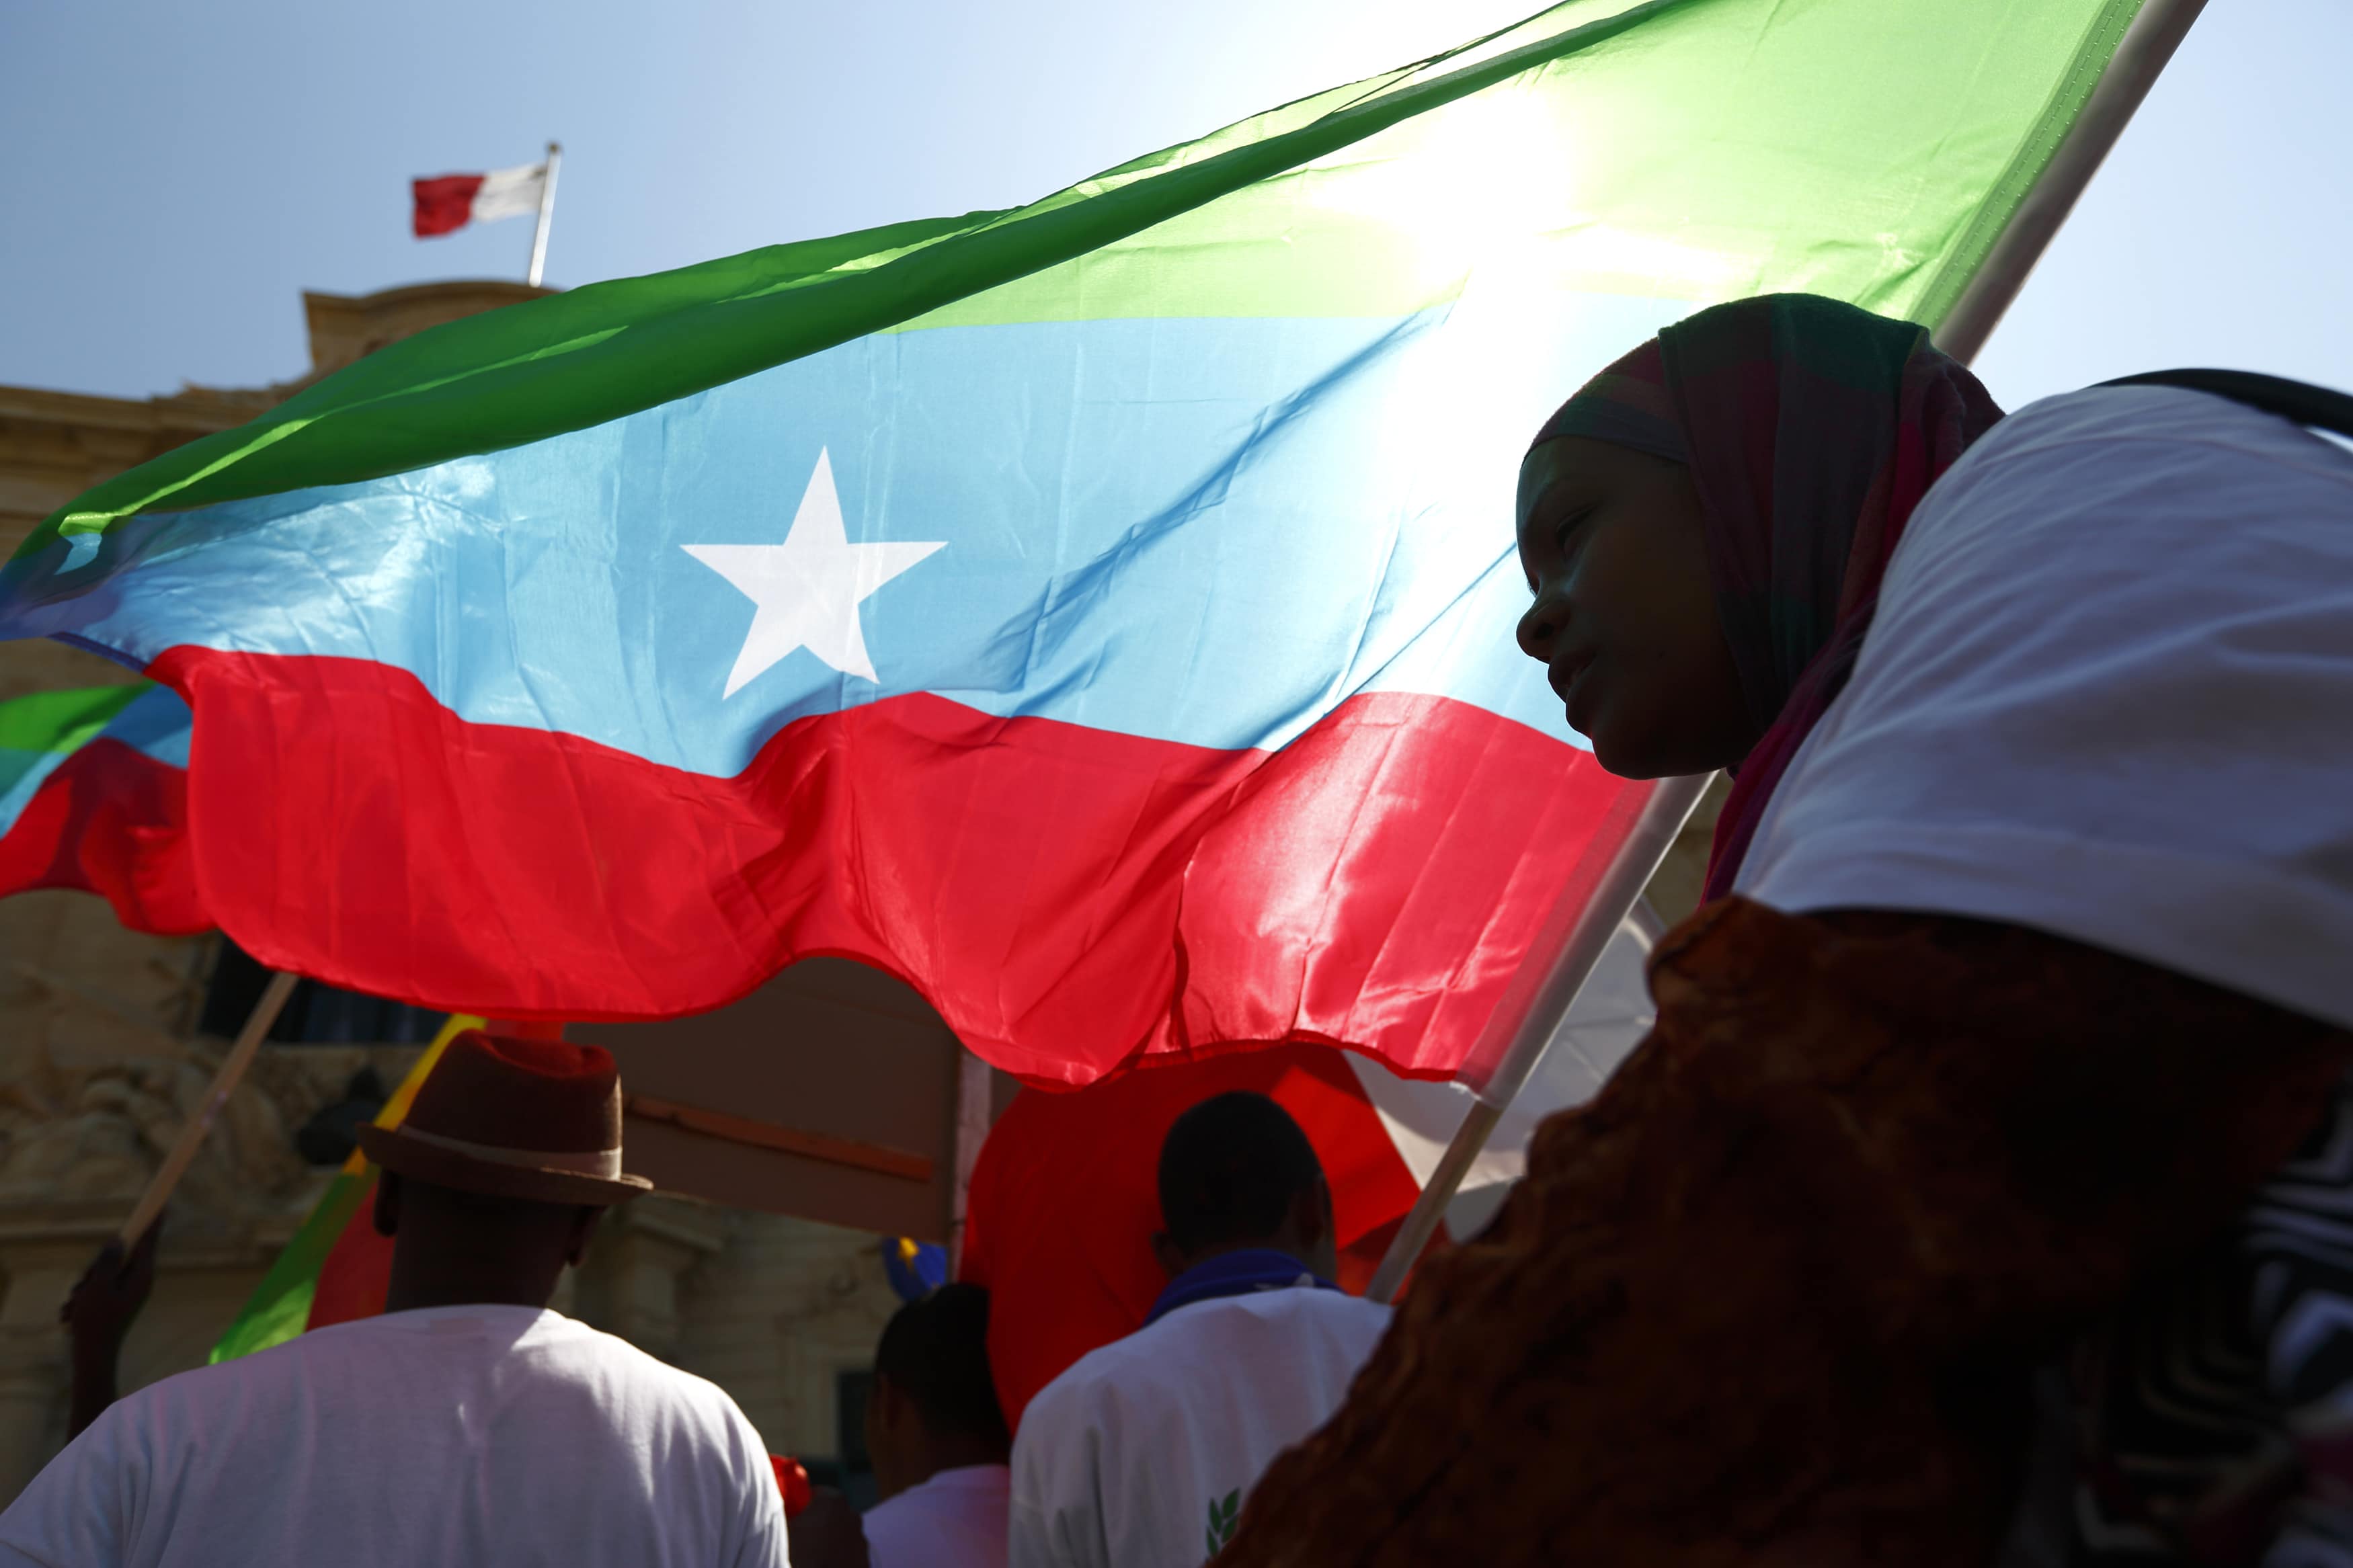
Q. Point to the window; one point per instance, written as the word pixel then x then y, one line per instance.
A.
pixel 853 1472
pixel 315 1015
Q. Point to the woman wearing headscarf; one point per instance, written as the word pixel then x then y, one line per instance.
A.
pixel 2028 959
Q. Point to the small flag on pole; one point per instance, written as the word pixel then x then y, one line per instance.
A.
pixel 94 796
pixel 447 203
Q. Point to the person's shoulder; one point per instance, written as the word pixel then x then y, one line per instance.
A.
pixel 1324 1303
pixel 2130 416
pixel 2069 472
pixel 611 1356
pixel 896 1524
pixel 1077 1384
pixel 938 1512
pixel 1129 1369
pixel 544 1347
pixel 245 1378
pixel 163 1423
pixel 1166 1350
pixel 1339 1307
pixel 1333 1313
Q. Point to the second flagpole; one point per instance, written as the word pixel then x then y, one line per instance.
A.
pixel 546 216
pixel 1530 1013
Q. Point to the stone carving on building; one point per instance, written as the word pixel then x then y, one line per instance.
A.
pixel 100 1068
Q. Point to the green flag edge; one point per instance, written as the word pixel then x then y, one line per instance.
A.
pixel 571 361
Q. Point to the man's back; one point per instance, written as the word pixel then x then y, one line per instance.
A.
pixel 954 1519
pixel 1140 1454
pixel 484 1434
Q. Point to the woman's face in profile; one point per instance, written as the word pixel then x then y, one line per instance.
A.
pixel 1614 544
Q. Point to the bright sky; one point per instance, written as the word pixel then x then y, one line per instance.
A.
pixel 176 175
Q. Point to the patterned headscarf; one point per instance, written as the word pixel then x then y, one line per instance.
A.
pixel 1812 429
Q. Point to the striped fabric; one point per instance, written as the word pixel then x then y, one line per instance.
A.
pixel 2217 1411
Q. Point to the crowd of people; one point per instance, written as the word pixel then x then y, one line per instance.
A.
pixel 471 1423
pixel 1979 1196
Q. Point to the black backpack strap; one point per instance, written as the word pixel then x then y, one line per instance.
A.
pixel 2317 406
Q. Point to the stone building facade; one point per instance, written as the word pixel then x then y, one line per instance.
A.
pixel 103 1057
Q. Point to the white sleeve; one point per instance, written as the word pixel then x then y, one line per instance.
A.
pixel 72 1515
pixel 762 1543
pixel 2105 697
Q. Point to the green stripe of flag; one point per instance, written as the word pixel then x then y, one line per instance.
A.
pixel 1716 150
pixel 1689 149
pixel 279 1307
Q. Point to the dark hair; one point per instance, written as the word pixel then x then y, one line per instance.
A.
pixel 1229 1169
pixel 934 1350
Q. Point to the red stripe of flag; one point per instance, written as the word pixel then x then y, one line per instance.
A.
pixel 110 820
pixel 444 203
pixel 1066 896
pixel 357 1271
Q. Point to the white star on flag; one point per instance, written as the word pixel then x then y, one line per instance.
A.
pixel 809 588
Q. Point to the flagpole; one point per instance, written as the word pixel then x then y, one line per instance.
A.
pixel 975 1094
pixel 546 213
pixel 230 1073
pixel 2147 44
pixel 1565 967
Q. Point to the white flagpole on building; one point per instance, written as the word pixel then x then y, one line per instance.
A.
pixel 547 212
pixel 975 1104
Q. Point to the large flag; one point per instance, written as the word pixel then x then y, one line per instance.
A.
pixel 1097 613
pixel 93 796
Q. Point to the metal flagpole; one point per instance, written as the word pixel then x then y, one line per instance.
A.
pixel 547 212
pixel 1550 977
pixel 2147 44
pixel 192 1134
pixel 976 1096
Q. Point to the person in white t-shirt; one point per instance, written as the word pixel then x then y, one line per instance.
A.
pixel 1140 1455
pixel 937 1437
pixel 469 1424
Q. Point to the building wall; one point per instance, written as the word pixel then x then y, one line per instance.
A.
pixel 100 1061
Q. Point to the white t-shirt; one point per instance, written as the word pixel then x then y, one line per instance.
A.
pixel 2109 695
pixel 448 1435
pixel 1120 1460
pixel 954 1520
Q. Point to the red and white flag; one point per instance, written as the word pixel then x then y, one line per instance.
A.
pixel 447 203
